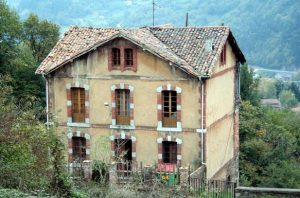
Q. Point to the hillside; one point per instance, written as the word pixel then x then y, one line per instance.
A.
pixel 267 31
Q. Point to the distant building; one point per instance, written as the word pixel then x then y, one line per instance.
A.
pixel 275 103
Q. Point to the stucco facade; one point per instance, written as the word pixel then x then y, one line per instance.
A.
pixel 206 132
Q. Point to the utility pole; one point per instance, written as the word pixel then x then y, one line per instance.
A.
pixel 187 19
pixel 153 4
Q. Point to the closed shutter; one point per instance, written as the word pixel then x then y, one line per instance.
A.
pixel 78 105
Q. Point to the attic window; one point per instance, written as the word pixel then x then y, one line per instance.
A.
pixel 128 57
pixel 223 56
pixel 116 57
pixel 122 58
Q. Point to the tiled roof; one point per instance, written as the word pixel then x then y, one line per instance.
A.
pixel 184 47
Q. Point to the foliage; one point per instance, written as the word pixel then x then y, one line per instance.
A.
pixel 267 88
pixel 249 85
pixel 8 193
pixel 288 99
pixel 40 35
pixel 269 147
pixel 23 45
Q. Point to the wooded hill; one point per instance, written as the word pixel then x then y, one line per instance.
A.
pixel 267 31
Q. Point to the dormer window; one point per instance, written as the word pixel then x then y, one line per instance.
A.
pixel 128 57
pixel 223 56
pixel 116 58
pixel 122 58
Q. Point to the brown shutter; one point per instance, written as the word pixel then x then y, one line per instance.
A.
pixel 78 105
pixel 123 106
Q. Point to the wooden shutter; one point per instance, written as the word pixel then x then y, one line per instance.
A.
pixel 169 109
pixel 78 104
pixel 123 106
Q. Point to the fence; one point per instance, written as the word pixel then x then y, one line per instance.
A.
pixel 200 187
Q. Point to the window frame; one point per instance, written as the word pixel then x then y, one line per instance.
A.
pixel 122 106
pixel 169 109
pixel 78 104
pixel 169 152
pixel 223 56
pixel 79 148
pixel 123 58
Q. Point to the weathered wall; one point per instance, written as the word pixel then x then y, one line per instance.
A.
pixel 220 95
pixel 152 72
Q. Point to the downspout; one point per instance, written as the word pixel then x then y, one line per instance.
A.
pixel 202 122
pixel 47 105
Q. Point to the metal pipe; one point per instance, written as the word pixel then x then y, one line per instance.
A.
pixel 47 105
pixel 202 121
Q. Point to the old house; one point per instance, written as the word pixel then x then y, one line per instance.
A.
pixel 164 95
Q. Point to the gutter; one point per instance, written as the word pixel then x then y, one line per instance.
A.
pixel 47 105
pixel 202 130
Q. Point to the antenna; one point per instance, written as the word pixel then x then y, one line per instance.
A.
pixel 187 19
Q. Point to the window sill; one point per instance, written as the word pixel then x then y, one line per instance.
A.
pixel 169 129
pixel 122 127
pixel 78 124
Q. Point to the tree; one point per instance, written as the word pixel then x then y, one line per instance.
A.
pixel 267 88
pixel 10 28
pixel 40 35
pixel 288 99
pixel 249 85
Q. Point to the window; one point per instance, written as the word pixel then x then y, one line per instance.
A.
pixel 78 104
pixel 169 109
pixel 223 56
pixel 169 152
pixel 128 57
pixel 123 106
pixel 122 58
pixel 116 58
pixel 79 148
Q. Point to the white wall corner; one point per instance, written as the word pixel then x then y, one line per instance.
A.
pixel 88 151
pixel 160 156
pixel 113 121
pixel 159 89
pixel 168 87
pixel 87 120
pixel 132 123
pixel 87 136
pixel 77 133
pixel 178 89
pixel 133 154
pixel 70 135
pixel 69 120
pixel 86 87
pixel 131 106
pixel 131 88
pixel 122 135
pixel 159 106
pixel 113 104
pixel 169 138
pixel 112 138
pixel 87 103
pixel 77 84
pixel 178 157
pixel 159 140
pixel 133 138
pixel 122 85
pixel 69 103
pixel 178 107
pixel 68 85
pixel 179 125
pixel 113 87
pixel 70 151
pixel 178 141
